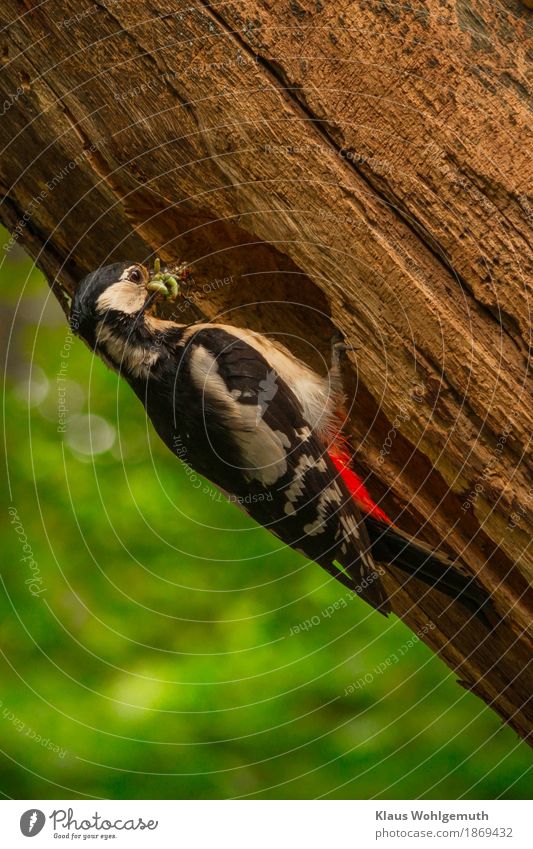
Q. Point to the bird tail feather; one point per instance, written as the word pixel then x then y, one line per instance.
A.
pixel 392 546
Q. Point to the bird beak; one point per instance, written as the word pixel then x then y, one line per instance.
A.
pixel 163 283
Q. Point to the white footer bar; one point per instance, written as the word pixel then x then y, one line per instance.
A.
pixel 266 824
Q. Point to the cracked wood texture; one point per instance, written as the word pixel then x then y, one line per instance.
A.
pixel 359 165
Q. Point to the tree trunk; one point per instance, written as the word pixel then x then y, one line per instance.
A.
pixel 321 164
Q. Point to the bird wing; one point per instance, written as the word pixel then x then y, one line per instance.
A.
pixel 264 452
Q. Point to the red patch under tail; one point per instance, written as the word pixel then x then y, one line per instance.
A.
pixel 360 494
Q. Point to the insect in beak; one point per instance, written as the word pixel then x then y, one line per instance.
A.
pixel 163 283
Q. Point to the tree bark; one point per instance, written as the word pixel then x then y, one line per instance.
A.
pixel 363 166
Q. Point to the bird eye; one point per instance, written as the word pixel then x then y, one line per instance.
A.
pixel 135 276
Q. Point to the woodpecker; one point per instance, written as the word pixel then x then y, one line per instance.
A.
pixel 244 412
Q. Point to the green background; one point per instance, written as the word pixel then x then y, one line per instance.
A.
pixel 159 661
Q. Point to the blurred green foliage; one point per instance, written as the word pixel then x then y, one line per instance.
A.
pixel 157 659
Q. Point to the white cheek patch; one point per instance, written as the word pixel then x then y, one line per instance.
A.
pixel 135 359
pixel 263 450
pixel 124 296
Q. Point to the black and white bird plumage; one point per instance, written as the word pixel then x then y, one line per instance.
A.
pixel 253 419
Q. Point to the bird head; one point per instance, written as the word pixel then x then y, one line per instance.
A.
pixel 117 294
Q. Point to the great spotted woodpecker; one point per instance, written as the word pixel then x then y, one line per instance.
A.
pixel 245 413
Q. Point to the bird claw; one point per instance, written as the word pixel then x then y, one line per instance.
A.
pixel 343 348
pixel 339 346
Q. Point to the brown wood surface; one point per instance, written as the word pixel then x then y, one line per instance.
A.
pixel 363 165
